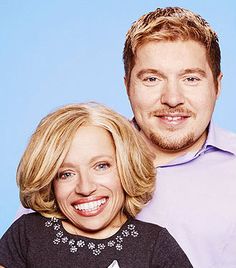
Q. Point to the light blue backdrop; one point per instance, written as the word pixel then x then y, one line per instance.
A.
pixel 58 52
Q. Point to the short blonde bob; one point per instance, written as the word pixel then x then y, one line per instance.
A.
pixel 50 143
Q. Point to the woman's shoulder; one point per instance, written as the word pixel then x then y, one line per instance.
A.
pixel 155 233
pixel 165 248
pixel 33 217
pixel 149 231
pixel 148 227
pixel 33 222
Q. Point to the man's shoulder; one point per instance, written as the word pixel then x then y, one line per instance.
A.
pixel 225 131
pixel 223 138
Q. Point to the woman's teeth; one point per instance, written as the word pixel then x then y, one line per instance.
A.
pixel 90 205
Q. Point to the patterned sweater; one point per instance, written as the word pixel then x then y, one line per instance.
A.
pixel 36 241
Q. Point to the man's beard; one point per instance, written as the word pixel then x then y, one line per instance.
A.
pixel 172 144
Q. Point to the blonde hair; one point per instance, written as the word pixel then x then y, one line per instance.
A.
pixel 171 24
pixel 50 143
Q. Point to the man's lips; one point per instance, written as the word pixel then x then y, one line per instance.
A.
pixel 173 119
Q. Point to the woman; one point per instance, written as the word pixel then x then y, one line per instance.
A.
pixel 86 173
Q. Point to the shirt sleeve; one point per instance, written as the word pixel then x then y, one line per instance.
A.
pixel 167 253
pixel 13 246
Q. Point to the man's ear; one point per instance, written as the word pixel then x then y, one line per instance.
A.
pixel 219 79
pixel 126 85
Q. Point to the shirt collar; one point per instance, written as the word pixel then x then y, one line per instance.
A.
pixel 220 139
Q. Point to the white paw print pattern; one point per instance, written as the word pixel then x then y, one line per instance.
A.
pixel 48 223
pixel 111 243
pixel 101 246
pixel 134 233
pixel 56 226
pixel 56 241
pixel 119 239
pixel 91 245
pixel 125 233
pixel 59 234
pixel 71 242
pixel 131 226
pixel 80 243
pixel 64 239
pixel 73 249
pixel 95 249
pixel 119 247
pixel 96 252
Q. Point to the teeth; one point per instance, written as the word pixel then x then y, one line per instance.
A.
pixel 90 205
pixel 171 118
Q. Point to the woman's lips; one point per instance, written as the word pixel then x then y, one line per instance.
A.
pixel 91 207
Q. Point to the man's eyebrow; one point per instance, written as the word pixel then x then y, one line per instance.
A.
pixel 149 71
pixel 193 70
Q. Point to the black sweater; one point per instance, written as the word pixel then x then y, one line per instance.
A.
pixel 36 241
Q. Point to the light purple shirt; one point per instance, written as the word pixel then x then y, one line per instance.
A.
pixel 195 200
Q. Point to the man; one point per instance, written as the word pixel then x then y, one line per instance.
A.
pixel 173 79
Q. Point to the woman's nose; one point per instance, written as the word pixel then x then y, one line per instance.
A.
pixel 85 185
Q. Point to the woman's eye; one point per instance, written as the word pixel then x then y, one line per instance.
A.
pixel 65 175
pixel 102 166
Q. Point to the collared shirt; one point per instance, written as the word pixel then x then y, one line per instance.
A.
pixel 195 199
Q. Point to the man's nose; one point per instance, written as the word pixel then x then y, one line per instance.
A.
pixel 172 94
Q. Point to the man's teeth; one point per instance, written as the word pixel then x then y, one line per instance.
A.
pixel 90 205
pixel 172 118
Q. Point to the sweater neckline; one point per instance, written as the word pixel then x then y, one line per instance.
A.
pixel 77 243
pixel 77 236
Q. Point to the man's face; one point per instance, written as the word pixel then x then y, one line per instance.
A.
pixel 172 94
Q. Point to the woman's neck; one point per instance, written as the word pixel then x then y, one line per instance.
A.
pixel 102 233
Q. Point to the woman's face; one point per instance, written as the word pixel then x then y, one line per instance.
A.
pixel 88 188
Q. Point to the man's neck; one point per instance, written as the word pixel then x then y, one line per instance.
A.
pixel 162 158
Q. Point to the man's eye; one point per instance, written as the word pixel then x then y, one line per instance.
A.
pixel 102 166
pixel 192 79
pixel 65 175
pixel 150 79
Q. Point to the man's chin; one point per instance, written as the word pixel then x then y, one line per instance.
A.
pixel 172 145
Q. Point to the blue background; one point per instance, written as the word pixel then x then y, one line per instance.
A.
pixel 58 52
